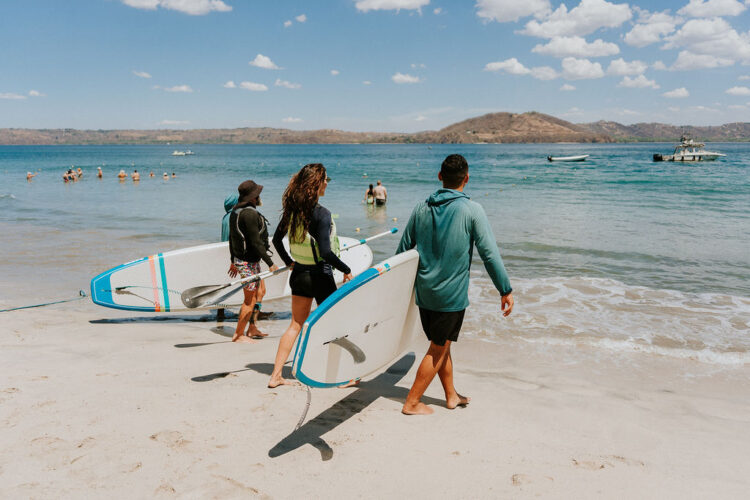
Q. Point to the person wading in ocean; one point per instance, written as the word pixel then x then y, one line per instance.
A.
pixel 248 244
pixel 445 228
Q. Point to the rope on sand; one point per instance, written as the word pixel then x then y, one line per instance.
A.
pixel 81 295
pixel 307 407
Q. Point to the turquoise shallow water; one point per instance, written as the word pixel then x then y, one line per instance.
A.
pixel 600 235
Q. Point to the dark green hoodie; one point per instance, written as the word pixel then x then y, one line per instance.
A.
pixel 445 228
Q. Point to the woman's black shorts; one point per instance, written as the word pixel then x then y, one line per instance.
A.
pixel 441 326
pixel 312 281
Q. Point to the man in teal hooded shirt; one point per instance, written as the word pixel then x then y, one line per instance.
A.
pixel 445 228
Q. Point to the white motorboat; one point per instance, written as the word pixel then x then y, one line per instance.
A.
pixel 689 150
pixel 568 158
pixel 178 153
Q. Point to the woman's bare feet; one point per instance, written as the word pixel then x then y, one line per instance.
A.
pixel 457 400
pixel 417 409
pixel 351 383
pixel 275 382
pixel 243 339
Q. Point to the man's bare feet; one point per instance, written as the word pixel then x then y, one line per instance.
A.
pixel 457 400
pixel 252 331
pixel 417 409
pixel 243 339
pixel 275 382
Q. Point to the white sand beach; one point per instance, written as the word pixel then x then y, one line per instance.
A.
pixel 100 403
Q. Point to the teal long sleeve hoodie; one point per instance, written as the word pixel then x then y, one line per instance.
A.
pixel 445 228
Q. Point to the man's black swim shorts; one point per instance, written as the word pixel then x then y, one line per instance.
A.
pixel 441 326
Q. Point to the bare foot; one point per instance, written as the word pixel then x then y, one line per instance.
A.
pixel 242 339
pixel 351 383
pixel 275 382
pixel 457 400
pixel 417 409
pixel 252 331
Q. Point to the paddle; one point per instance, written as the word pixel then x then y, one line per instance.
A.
pixel 201 296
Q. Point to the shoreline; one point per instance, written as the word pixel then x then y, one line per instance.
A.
pixel 97 400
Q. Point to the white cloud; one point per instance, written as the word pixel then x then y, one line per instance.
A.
pixel 264 62
pixel 744 77
pixel 544 73
pixel 252 86
pixel 679 93
pixel 405 78
pixel 192 7
pixel 651 27
pixel 567 87
pixel 173 122
pixel 287 23
pixel 367 82
pixel 744 91
pixel 301 18
pixel 291 119
pixel 639 82
pixel 179 88
pixel 141 74
pixel 368 5
pixel 658 65
pixel 712 8
pixel 420 118
pixel 286 84
pixel 741 107
pixel 335 72
pixel 561 46
pixel 588 17
pixel 512 66
pixel 437 11
pixel 36 93
pixel 230 85
pixel 581 69
pixel 418 66
pixel 711 37
pixel 688 61
pixel 621 67
pixel 511 10
pixel 12 96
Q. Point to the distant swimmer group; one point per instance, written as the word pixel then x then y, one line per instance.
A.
pixel 75 174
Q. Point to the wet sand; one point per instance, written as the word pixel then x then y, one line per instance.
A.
pixel 98 402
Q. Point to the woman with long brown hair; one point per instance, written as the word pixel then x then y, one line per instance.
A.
pixel 314 246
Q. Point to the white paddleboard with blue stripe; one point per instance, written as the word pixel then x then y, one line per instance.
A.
pixel 362 327
pixel 154 283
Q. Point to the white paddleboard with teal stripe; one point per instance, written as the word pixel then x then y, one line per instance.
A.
pixel 362 327
pixel 154 283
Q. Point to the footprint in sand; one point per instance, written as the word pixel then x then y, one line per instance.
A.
pixel 172 439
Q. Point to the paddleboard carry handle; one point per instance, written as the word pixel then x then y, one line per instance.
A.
pixel 201 296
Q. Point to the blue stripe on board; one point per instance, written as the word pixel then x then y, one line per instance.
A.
pixel 164 287
pixel 101 288
pixel 333 299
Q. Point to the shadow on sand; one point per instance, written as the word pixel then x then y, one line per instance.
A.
pixel 384 385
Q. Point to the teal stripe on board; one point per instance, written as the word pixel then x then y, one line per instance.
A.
pixel 164 286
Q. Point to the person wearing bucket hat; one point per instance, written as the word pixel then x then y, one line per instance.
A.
pixel 315 250
pixel 248 244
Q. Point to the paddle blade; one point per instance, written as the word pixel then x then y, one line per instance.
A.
pixel 199 296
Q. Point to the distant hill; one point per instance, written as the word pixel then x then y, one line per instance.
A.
pixel 490 128
pixel 653 132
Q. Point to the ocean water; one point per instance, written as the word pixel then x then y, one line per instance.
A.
pixel 618 253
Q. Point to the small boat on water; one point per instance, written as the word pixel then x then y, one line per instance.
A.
pixel 689 150
pixel 568 158
pixel 182 153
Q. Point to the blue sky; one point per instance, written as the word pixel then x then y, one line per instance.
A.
pixel 369 65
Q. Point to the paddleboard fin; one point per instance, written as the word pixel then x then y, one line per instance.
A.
pixel 351 348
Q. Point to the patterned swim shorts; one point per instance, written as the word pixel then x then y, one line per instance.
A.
pixel 248 269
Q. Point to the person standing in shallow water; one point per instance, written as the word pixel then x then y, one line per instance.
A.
pixel 248 244
pixel 315 250
pixel 445 228
pixel 380 193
